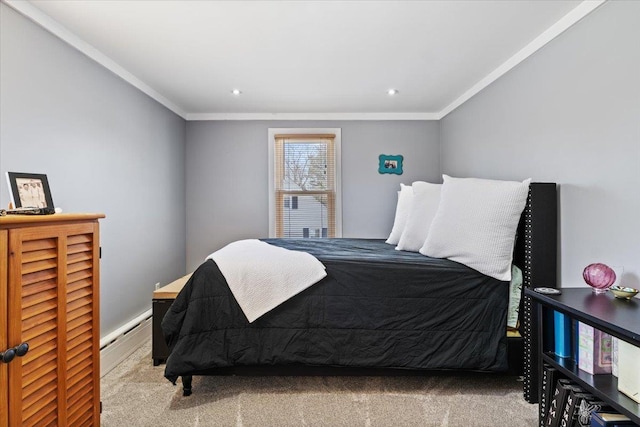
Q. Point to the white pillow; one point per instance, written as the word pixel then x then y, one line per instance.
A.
pixel 423 208
pixel 476 223
pixel 405 198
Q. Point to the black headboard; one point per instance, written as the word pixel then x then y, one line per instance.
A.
pixel 536 253
pixel 537 242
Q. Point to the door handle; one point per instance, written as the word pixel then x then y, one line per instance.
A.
pixel 9 354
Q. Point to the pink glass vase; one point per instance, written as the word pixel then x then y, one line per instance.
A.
pixel 599 276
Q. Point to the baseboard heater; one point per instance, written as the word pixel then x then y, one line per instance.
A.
pixel 121 343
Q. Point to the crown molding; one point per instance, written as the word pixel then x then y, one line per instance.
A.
pixel 36 15
pixel 312 116
pixel 571 18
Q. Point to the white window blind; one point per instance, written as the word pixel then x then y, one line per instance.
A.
pixel 305 185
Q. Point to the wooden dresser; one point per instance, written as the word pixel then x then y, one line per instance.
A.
pixel 49 299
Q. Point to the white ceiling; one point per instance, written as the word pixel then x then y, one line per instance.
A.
pixel 307 58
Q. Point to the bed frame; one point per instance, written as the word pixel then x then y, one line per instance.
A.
pixel 536 255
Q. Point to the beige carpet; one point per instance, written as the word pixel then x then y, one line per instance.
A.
pixel 137 394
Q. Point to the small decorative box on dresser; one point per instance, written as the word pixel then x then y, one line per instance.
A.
pixel 162 300
pixel 49 320
pixel 616 317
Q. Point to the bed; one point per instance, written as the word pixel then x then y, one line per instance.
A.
pixel 377 308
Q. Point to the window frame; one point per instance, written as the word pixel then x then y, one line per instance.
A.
pixel 338 172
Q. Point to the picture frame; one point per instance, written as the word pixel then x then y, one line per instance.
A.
pixel 29 190
pixel 390 164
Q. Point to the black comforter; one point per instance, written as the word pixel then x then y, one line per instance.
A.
pixel 377 307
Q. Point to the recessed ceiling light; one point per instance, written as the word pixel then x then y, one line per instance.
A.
pixel 236 92
pixel 392 92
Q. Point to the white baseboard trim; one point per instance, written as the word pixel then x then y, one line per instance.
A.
pixel 123 346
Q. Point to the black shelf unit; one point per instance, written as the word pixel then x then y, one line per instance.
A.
pixel 620 318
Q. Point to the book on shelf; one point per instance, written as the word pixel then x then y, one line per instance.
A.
pixel 554 403
pixel 574 340
pixel 548 382
pixel 594 350
pixel 569 408
pixel 556 407
pixel 629 370
pixel 587 407
pixel 562 334
pixel 573 407
pixel 544 386
pixel 610 419
pixel 614 356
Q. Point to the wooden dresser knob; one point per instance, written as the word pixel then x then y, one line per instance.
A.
pixel 9 354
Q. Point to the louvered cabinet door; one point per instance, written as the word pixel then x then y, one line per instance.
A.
pixel 53 306
pixel 82 335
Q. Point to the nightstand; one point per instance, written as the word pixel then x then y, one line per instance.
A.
pixel 162 300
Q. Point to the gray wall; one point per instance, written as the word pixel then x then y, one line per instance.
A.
pixel 105 147
pixel 227 177
pixel 568 114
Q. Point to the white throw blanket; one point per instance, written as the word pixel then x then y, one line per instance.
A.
pixel 262 276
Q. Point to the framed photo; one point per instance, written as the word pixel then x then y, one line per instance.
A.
pixel 29 190
pixel 390 164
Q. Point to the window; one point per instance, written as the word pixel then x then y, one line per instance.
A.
pixel 304 185
pixel 291 202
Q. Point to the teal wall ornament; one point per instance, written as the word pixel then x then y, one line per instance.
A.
pixel 390 164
